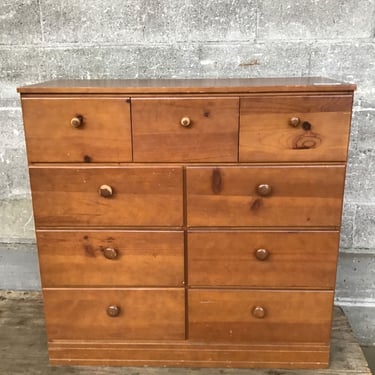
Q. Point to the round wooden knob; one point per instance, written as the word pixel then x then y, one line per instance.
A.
pixel 105 191
pixel 262 254
pixel 77 121
pixel 110 253
pixel 113 311
pixel 259 312
pixel 294 121
pixel 185 121
pixel 264 190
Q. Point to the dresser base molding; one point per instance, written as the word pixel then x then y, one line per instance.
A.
pixel 189 355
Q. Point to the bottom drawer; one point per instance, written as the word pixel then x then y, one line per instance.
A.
pixel 122 314
pixel 260 316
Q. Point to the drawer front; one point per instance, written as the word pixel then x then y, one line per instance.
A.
pixel 210 132
pixel 260 317
pixel 294 128
pixel 266 259
pixel 111 258
pixel 122 314
pixel 265 196
pixel 85 129
pixel 107 196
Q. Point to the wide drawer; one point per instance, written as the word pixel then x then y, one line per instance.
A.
pixel 260 316
pixel 185 129
pixel 294 128
pixel 108 314
pixel 273 259
pixel 111 258
pixel 107 196
pixel 308 195
pixel 80 129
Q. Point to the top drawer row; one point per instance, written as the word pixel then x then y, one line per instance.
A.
pixel 264 128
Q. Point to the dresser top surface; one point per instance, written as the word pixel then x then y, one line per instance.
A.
pixel 187 86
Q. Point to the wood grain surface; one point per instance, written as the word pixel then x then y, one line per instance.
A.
pixel 290 316
pixel 76 258
pixel 295 259
pixel 158 135
pixel 301 195
pixel 266 134
pixel 145 314
pixel 142 195
pixel 104 135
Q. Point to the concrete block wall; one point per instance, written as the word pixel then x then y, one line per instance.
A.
pixel 48 39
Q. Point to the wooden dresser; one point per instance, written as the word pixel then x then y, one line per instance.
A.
pixel 188 222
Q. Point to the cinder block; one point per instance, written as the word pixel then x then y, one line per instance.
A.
pixel 324 19
pixel 14 173
pixel 168 62
pixel 19 66
pixel 346 235
pixel 88 63
pixel 360 187
pixel 362 318
pixel 119 22
pixel 19 268
pixel 20 22
pixel 364 233
pixel 347 61
pixel 356 276
pixel 222 20
pixel 11 128
pixel 365 121
pixel 254 60
pixel 153 61
pixel 16 220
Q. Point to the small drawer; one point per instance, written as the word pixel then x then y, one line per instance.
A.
pixel 107 196
pixel 111 258
pixel 260 317
pixel 294 128
pixel 273 259
pixel 80 129
pixel 265 195
pixel 122 314
pixel 185 129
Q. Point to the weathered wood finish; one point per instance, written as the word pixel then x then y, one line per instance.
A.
pixel 144 258
pixel 267 136
pixel 204 233
pixel 290 316
pixel 145 314
pixel 295 259
pixel 301 196
pixel 104 136
pixel 159 136
pixel 145 196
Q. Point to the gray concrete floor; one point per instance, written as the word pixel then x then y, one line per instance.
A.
pixel 23 347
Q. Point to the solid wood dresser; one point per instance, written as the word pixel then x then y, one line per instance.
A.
pixel 188 222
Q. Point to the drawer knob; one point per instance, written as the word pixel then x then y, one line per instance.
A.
pixel 259 312
pixel 264 190
pixel 113 311
pixel 185 121
pixel 110 253
pixel 294 121
pixel 262 254
pixel 77 121
pixel 105 191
